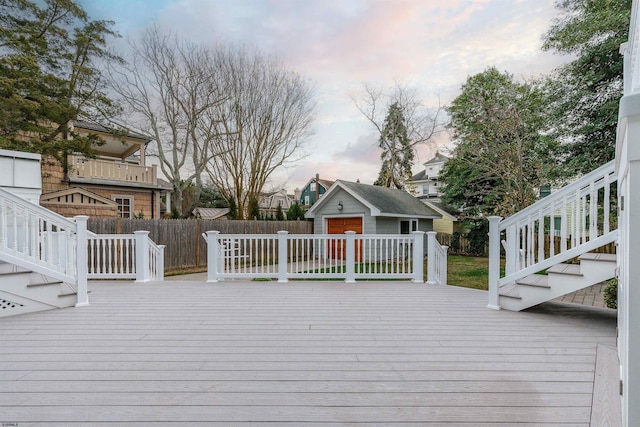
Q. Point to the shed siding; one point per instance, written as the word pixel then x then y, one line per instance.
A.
pixel 444 225
pixel 350 207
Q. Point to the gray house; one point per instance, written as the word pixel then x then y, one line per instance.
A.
pixel 369 209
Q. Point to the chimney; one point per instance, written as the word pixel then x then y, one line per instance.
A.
pixel 317 187
pixel 296 195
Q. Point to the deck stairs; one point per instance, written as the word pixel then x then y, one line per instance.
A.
pixel 25 291
pixel 38 258
pixel 540 243
pixel 558 280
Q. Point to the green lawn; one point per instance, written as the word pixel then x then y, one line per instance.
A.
pixel 468 272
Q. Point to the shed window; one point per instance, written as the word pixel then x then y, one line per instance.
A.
pixel 125 206
pixel 407 226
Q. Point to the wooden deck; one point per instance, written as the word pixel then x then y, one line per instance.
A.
pixel 301 354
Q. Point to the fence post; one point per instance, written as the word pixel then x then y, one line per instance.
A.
pixel 142 256
pixel 82 261
pixel 494 262
pixel 282 256
pixel 350 257
pixel 431 258
pixel 418 257
pixel 213 254
pixel 160 272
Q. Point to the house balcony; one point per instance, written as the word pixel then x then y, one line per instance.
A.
pixel 112 170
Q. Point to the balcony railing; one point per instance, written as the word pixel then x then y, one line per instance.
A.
pixel 81 167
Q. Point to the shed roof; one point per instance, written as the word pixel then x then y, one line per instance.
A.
pixel 380 200
pixel 210 213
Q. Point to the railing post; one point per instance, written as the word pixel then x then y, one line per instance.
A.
pixel 82 261
pixel 443 266
pixel 350 257
pixel 142 256
pixel 160 272
pixel 418 257
pixel 494 262
pixel 431 258
pixel 3 224
pixel 213 249
pixel 282 256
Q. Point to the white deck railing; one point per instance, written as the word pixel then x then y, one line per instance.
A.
pixel 286 256
pixel 436 260
pixel 125 256
pixel 35 238
pixel 81 167
pixel 532 239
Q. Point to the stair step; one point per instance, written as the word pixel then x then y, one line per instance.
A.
pixel 592 256
pixel 539 280
pixel 11 269
pixel 572 269
pixel 509 290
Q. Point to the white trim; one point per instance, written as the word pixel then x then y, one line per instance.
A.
pixel 131 211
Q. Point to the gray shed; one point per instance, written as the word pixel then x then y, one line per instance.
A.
pixel 369 209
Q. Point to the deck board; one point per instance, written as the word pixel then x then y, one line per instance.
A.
pixel 302 353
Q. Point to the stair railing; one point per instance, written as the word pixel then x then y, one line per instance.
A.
pixel 35 238
pixel 567 223
pixel 437 260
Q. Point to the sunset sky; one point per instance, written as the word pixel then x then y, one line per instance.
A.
pixel 339 45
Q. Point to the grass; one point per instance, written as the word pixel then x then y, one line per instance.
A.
pixel 464 271
pixel 468 272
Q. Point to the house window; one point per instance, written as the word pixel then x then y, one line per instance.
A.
pixel 425 189
pixel 125 206
pixel 306 200
pixel 312 186
pixel 280 202
pixel 407 226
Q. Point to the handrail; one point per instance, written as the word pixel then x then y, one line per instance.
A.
pixel 42 241
pixel 533 240
pixel 284 256
pixel 608 169
pixel 437 260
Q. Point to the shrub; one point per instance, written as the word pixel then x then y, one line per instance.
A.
pixel 611 293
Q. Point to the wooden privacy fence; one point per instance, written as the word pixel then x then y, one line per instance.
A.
pixel 184 246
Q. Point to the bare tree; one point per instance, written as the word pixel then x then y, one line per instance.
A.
pixel 422 124
pixel 262 124
pixel 168 89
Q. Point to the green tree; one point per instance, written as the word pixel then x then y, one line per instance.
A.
pixel 397 153
pixel 294 212
pixel 233 208
pixel 279 214
pixel 51 57
pixel 253 210
pixel 501 155
pixel 587 90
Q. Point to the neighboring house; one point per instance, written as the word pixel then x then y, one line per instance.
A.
pixel 425 184
pixel 312 191
pixel 21 174
pixel 269 202
pixel 211 213
pixel 118 183
pixel 369 209
pixel 449 223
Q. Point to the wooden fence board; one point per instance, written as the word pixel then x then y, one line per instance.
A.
pixel 184 246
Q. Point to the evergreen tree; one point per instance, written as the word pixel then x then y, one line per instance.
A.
pixel 584 108
pixel 253 209
pixel 501 156
pixel 397 154
pixel 233 208
pixel 295 212
pixel 279 214
pixel 51 61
